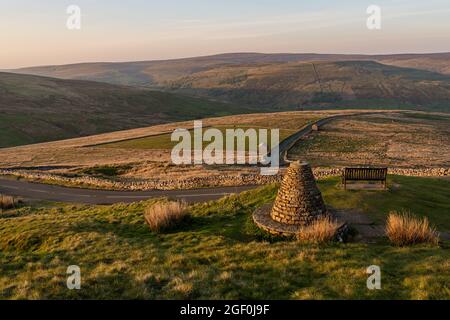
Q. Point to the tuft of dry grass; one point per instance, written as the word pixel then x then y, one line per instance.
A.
pixel 319 231
pixel 7 202
pixel 166 215
pixel 405 229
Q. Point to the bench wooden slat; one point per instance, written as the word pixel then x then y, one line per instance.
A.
pixel 364 174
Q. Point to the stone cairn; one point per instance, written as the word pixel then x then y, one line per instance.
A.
pixel 298 203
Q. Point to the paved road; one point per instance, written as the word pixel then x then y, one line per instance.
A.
pixel 40 191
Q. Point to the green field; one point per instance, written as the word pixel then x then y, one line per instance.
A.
pixel 164 142
pixel 425 197
pixel 219 253
pixel 330 144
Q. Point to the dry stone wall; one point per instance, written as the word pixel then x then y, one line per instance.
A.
pixel 200 182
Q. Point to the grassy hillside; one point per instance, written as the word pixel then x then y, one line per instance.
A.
pixel 281 81
pixel 36 109
pixel 392 140
pixel 436 63
pixel 327 84
pixel 219 253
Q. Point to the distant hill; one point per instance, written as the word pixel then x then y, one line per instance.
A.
pixel 322 84
pixel 158 73
pixel 285 81
pixel 37 109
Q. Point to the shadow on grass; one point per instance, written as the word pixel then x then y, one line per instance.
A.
pixel 9 214
pixel 126 231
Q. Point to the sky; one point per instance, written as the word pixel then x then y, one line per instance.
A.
pixel 35 32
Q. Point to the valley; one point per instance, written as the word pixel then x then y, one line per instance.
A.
pixel 107 97
pixel 38 109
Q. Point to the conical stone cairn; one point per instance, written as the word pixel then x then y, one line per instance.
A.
pixel 298 203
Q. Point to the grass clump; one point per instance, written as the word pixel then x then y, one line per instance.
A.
pixel 8 202
pixel 166 215
pixel 321 230
pixel 405 229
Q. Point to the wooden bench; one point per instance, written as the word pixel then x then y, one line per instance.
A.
pixel 364 174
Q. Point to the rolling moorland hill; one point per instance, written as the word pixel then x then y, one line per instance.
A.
pixel 159 72
pixel 37 109
pixel 322 84
pixel 285 81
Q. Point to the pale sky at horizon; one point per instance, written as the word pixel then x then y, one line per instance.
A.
pixel 35 33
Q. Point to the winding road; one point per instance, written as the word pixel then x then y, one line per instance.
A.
pixel 48 192
pixel 40 191
pixel 290 141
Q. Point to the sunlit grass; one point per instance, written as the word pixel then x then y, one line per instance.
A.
pixel 164 142
pixel 219 254
pixel 321 230
pixel 164 215
pixel 8 202
pixel 428 197
pixel 404 229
